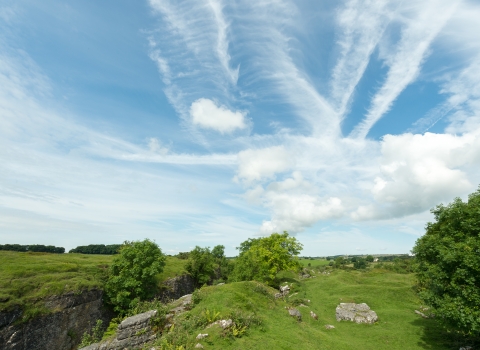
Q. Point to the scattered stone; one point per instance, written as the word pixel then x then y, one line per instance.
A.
pixel 466 348
pixel 284 289
pixel 421 314
pixel 222 323
pixel 358 313
pixel 199 346
pixel 306 275
pixel 278 295
pixel 314 315
pixel 302 305
pixel 329 326
pixel 201 336
pixel 220 284
pixel 295 313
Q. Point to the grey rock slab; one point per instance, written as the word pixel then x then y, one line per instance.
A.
pixel 358 313
pixel 137 319
pixel 295 313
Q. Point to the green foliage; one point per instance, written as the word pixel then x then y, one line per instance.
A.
pixel 360 263
pixel 183 255
pixel 97 249
pixel 132 274
pixel 211 316
pixel 448 264
pixel 94 336
pixel 369 258
pixel 200 265
pixel 340 262
pixel 205 266
pixel 262 258
pixel 39 248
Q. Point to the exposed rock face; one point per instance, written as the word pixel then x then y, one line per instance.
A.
pixel 174 288
pixel 132 332
pixel 73 315
pixel 358 313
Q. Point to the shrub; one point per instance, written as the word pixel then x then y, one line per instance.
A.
pixel 132 274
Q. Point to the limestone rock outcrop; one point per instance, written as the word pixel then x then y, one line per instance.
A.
pixel 358 313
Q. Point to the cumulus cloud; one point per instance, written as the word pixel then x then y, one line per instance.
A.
pixel 418 172
pixel 258 164
pixel 292 208
pixel 206 114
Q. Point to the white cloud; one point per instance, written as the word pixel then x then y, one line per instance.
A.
pixel 422 23
pixel 418 172
pixel 292 209
pixel 258 164
pixel 361 25
pixel 206 114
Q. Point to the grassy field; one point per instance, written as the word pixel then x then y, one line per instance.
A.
pixel 387 293
pixel 314 262
pixel 26 278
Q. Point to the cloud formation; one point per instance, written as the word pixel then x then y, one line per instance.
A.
pixel 206 114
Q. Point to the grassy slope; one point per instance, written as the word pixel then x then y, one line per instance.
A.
pixel 314 262
pixel 27 277
pixel 389 294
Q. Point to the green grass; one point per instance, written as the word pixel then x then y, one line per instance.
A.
pixel 27 278
pixel 387 293
pixel 314 262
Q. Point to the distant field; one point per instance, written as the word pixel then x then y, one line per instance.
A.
pixel 389 294
pixel 314 262
pixel 26 277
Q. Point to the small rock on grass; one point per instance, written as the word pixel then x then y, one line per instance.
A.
pixel 314 315
pixel 199 346
pixel 329 326
pixel 201 336
pixel 295 313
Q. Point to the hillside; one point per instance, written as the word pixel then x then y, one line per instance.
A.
pixel 271 327
pixel 26 278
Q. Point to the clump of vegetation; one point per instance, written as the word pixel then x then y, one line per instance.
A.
pixel 263 258
pixel 38 248
pixel 97 249
pixel 132 274
pixel 207 266
pixel 94 336
pixel 448 264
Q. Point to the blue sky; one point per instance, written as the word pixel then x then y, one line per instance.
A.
pixel 208 122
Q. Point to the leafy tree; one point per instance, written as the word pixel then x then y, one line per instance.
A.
pixel 353 259
pixel 38 248
pixel 97 249
pixel 339 262
pixel 201 265
pixel 263 258
pixel 132 274
pixel 360 263
pixel 369 258
pixel 448 264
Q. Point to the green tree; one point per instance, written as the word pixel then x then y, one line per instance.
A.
pixel 360 263
pixel 369 258
pixel 448 264
pixel 132 275
pixel 262 258
pixel 201 265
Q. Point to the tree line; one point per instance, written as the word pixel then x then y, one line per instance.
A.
pixel 97 249
pixel 39 248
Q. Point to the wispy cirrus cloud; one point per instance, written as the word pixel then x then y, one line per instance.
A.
pixel 420 23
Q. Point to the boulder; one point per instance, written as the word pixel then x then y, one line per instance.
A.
pixel 201 336
pixel 199 346
pixel 358 313
pixel 295 313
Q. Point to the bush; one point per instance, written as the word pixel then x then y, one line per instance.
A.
pixel 206 266
pixel 448 264
pixel 263 258
pixel 132 274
